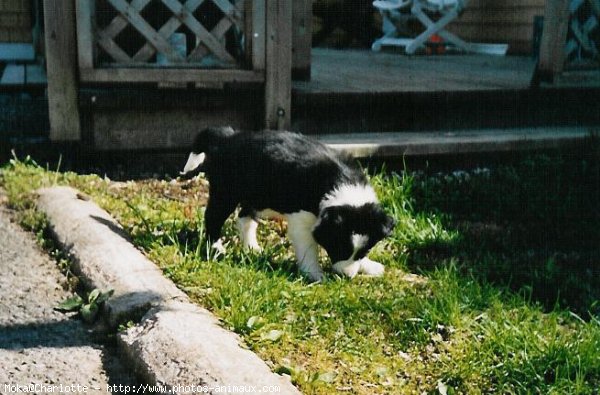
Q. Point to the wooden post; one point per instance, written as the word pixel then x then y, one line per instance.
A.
pixel 554 38
pixel 278 73
pixel 61 62
pixel 301 39
pixel 257 33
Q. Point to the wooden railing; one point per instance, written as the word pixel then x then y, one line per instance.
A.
pixel 170 41
pixel 571 39
pixel 583 35
pixel 207 43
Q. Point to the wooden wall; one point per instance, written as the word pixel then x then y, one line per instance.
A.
pixel 500 21
pixel 15 21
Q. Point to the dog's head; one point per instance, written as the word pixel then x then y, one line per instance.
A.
pixel 348 232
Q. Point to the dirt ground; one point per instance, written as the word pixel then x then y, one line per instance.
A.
pixel 39 345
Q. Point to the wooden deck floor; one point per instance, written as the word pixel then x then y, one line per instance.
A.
pixel 363 71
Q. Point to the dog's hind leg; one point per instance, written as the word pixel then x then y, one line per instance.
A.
pixel 300 227
pixel 247 226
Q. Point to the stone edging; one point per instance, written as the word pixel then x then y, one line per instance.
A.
pixel 176 343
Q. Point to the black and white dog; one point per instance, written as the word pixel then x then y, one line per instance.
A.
pixel 325 199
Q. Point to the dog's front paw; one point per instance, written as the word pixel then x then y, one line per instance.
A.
pixel 371 268
pixel 255 248
pixel 347 268
pixel 314 277
pixel 218 248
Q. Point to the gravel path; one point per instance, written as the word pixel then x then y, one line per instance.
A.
pixel 37 344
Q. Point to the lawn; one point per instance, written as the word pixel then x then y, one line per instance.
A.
pixel 491 286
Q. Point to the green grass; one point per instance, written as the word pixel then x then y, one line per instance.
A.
pixel 505 301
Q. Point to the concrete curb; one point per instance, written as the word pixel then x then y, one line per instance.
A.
pixel 177 343
pixel 400 144
pixel 102 255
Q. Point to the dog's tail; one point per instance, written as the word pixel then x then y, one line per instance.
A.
pixel 207 138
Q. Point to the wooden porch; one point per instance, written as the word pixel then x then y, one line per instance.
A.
pixel 368 72
pixel 390 105
pixel 118 77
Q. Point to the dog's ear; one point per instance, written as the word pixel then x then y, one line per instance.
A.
pixel 332 215
pixel 329 221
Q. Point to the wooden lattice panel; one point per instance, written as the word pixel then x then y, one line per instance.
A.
pixel 167 33
pixel 583 37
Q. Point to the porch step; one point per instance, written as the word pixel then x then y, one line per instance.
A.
pixel 17 52
pixel 446 111
pixel 23 74
pixel 399 144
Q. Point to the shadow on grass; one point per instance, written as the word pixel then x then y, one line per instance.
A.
pixel 530 226
pixel 550 276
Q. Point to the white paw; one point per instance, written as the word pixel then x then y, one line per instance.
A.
pixel 253 247
pixel 347 268
pixel 371 268
pixel 218 248
pixel 314 277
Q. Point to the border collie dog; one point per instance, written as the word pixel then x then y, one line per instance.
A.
pixel 326 199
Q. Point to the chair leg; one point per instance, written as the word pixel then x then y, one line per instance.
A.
pixel 389 31
pixel 457 41
pixel 431 28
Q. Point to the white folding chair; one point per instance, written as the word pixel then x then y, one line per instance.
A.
pixel 394 13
